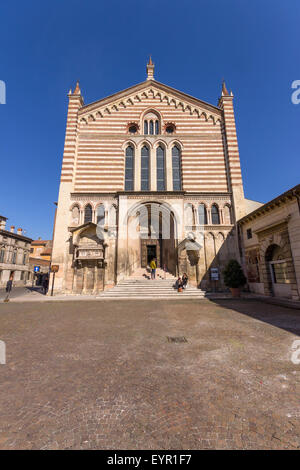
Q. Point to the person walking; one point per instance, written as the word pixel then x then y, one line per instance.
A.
pixel 153 268
pixel 45 284
pixel 8 289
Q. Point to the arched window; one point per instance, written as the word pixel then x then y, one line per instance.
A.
pixel 145 166
pixel 112 216
pixel 160 169
pixel 215 216
pixel 188 214
pixel 152 123
pixel 129 168
pixel 202 213
pixel 156 127
pixel 151 128
pixel 176 169
pixel 227 214
pixel 100 216
pixel 75 215
pixel 14 257
pixel 88 214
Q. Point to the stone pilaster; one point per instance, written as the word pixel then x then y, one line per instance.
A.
pixel 232 153
pixel 60 252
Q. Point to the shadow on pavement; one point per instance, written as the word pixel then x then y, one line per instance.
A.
pixel 281 317
pixel 22 291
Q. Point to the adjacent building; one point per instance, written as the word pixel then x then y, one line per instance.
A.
pixel 271 240
pixel 147 172
pixel 14 255
pixel 40 258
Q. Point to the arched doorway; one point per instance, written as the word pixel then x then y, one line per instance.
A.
pixel 152 233
pixel 88 260
pixel 278 272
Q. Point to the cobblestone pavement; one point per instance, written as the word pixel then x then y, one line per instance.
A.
pixel 83 375
pixel 22 292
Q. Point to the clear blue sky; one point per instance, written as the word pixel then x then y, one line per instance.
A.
pixel 47 45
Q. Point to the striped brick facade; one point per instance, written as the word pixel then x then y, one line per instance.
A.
pixel 102 134
pixel 93 169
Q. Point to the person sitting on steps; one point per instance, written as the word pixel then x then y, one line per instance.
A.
pixel 184 280
pixel 178 284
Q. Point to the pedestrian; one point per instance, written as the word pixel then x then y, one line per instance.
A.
pixel 153 268
pixel 184 280
pixel 8 289
pixel 178 284
pixel 45 284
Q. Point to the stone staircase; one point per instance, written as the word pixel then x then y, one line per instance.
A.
pixel 140 286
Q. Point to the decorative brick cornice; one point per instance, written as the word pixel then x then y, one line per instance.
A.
pixel 153 84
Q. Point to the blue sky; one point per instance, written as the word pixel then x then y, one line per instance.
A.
pixel 47 45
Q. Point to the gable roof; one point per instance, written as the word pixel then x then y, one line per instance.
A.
pixel 40 242
pixel 146 84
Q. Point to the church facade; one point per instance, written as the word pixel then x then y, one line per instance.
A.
pixel 149 172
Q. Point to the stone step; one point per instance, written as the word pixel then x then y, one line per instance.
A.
pixel 149 282
pixel 172 293
pixel 140 286
pixel 152 289
pixel 141 273
pixel 149 296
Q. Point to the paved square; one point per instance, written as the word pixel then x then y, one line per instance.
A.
pixel 103 375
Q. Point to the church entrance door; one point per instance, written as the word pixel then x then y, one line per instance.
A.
pixel 151 253
pixel 155 224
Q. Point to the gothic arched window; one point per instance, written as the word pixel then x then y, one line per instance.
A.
pixel 202 213
pixel 75 215
pixel 156 127
pixel 151 130
pixel 188 214
pixel 100 217
pixel 160 169
pixel 146 127
pixel 176 168
pixel 152 123
pixel 215 216
pixel 145 166
pixel 113 216
pixel 88 213
pixel 129 169
pixel 227 214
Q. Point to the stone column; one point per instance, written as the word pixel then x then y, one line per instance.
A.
pixel 208 211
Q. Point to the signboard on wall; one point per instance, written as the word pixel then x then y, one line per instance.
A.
pixel 36 269
pixel 214 274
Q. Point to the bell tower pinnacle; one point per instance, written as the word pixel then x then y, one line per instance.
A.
pixel 150 70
